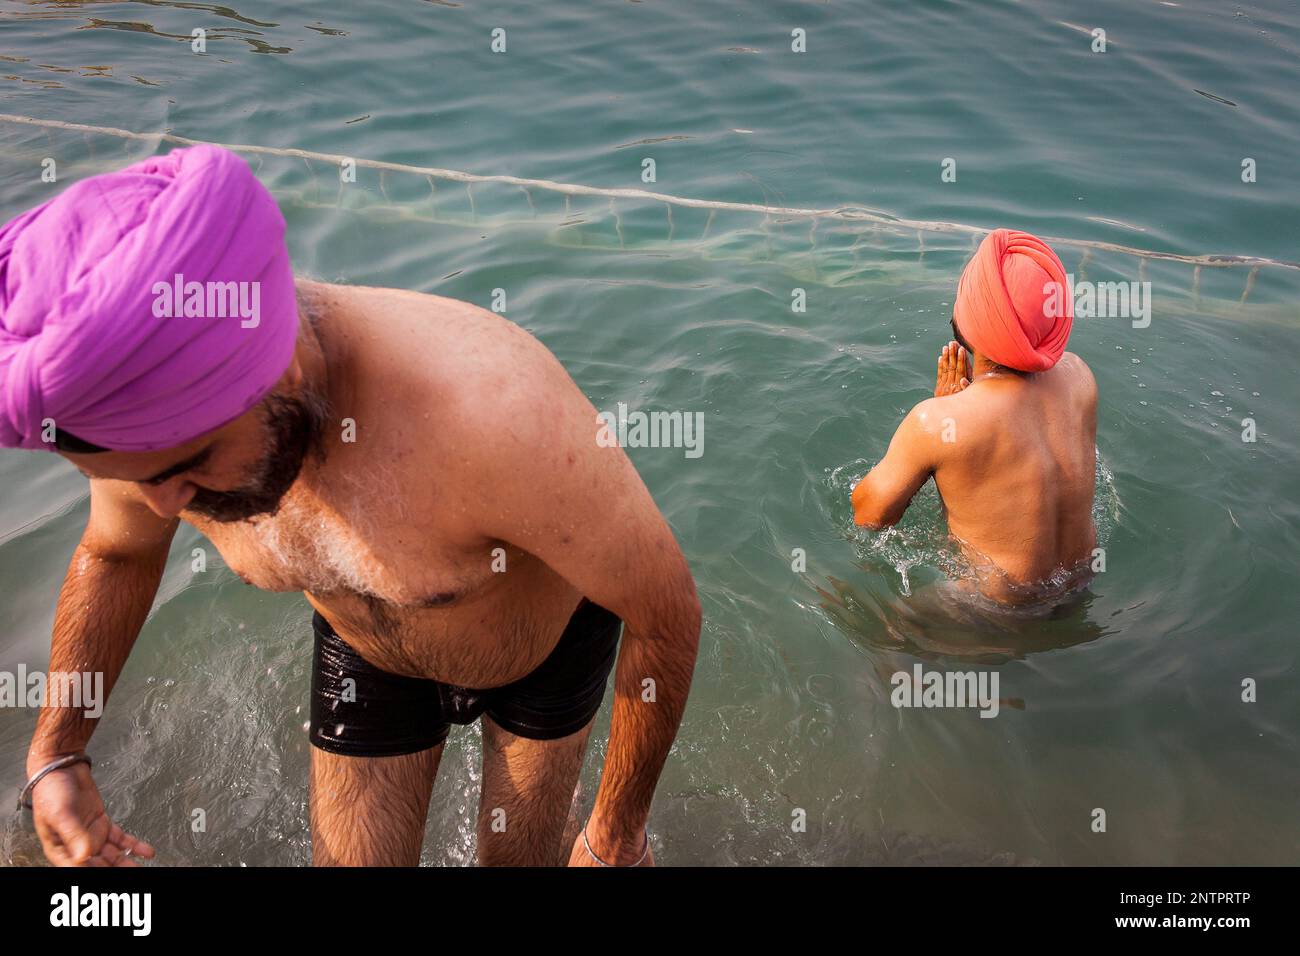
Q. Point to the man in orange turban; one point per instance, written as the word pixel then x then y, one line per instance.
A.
pixel 1010 434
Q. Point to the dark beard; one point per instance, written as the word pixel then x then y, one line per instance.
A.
pixel 294 425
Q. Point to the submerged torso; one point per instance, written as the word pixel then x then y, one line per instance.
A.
pixel 1017 482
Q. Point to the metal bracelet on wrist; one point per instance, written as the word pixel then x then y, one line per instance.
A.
pixel 25 797
pixel 592 853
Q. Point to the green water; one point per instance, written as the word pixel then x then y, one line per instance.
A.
pixel 1130 702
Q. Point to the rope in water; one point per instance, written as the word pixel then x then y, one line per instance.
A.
pixel 848 213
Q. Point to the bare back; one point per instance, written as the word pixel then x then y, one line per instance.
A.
pixel 1017 481
pixel 1014 459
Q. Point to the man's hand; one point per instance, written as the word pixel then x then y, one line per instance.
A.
pixel 626 856
pixel 72 824
pixel 953 371
pixel 115 571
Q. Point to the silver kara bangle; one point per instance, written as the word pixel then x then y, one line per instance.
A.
pixel 25 798
pixel 592 853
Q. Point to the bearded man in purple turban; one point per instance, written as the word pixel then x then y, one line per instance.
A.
pixel 348 443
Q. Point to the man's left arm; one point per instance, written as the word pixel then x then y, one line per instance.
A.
pixel 549 486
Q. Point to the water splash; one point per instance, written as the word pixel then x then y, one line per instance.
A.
pixel 920 543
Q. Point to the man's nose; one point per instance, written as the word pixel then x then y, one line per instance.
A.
pixel 170 498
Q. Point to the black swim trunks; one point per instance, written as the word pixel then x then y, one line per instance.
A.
pixel 386 714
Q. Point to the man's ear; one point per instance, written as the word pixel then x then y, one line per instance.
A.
pixel 293 374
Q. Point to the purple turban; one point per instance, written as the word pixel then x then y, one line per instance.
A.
pixel 142 308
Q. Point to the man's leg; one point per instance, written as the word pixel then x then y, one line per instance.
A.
pixel 527 792
pixel 370 811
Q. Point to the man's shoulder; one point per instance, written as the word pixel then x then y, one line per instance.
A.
pixel 933 415
pixel 488 372
pixel 457 327
pixel 1078 374
pixel 1072 363
pixel 457 352
pixel 928 414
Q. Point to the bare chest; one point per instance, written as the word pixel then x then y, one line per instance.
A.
pixel 402 595
pixel 310 546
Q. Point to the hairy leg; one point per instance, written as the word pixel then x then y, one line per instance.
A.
pixel 370 811
pixel 528 788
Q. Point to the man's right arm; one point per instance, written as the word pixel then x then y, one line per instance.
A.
pixel 107 593
pixel 882 496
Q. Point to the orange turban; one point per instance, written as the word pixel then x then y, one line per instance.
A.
pixel 1014 305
